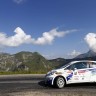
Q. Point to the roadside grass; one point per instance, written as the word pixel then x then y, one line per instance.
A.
pixel 21 72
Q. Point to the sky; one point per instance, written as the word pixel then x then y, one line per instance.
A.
pixel 54 28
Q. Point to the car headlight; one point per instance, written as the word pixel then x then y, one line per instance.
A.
pixel 51 73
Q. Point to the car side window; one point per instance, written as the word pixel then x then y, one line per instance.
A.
pixel 71 67
pixel 79 65
pixel 92 64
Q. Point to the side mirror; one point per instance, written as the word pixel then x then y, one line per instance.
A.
pixel 75 68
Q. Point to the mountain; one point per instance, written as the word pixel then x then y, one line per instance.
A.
pixel 32 62
pixel 24 61
pixel 7 61
pixel 58 62
pixel 90 53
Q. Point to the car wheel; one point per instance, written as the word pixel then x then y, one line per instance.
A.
pixel 60 82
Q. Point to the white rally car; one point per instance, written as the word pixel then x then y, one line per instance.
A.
pixel 73 72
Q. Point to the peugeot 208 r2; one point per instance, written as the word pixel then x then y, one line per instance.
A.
pixel 73 72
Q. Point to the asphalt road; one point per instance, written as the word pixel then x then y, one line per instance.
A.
pixel 10 85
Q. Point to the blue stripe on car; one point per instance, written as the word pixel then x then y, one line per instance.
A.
pixel 69 76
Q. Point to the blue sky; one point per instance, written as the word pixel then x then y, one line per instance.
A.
pixel 36 17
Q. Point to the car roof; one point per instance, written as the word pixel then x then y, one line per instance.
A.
pixel 82 61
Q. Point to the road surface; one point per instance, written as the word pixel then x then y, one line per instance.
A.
pixel 33 85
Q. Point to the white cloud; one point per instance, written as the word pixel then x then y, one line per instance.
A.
pixel 19 1
pixel 74 53
pixel 22 38
pixel 48 37
pixel 19 38
pixel 90 39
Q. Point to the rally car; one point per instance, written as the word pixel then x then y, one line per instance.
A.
pixel 73 72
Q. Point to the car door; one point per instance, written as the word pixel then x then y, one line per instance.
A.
pixel 83 72
pixel 77 72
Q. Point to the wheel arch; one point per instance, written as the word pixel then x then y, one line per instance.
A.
pixel 57 77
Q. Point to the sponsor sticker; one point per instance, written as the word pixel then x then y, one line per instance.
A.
pixel 69 71
pixel 76 78
pixel 94 72
pixel 81 71
pixel 69 76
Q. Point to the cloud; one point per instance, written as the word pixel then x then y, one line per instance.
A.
pixel 90 39
pixel 19 1
pixel 21 37
pixel 74 53
pixel 48 37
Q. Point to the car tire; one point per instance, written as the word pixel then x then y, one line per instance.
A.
pixel 60 82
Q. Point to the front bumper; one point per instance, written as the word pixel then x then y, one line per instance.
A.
pixel 48 80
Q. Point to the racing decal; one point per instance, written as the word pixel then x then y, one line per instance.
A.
pixel 93 72
pixel 69 71
pixel 83 78
pixel 81 71
pixel 92 69
pixel 69 76
pixel 76 78
pixel 58 73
